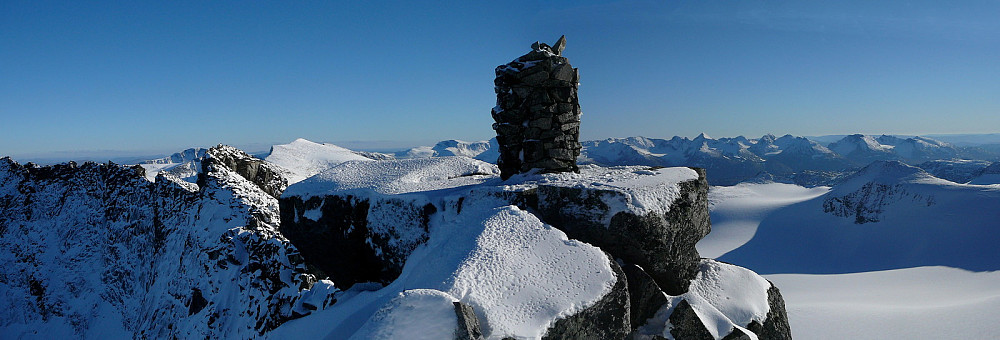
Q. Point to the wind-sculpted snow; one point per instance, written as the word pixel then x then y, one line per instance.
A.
pixel 97 251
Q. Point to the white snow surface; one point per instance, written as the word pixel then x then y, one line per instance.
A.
pixel 416 314
pixel 642 189
pixel 393 177
pixel 913 303
pixel 303 158
pixel 737 211
pixel 519 274
pixel 723 296
pixel 887 216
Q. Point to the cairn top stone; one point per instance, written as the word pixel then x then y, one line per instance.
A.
pixel 559 46
pixel 556 49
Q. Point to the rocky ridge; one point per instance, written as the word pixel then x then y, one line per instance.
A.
pixel 100 251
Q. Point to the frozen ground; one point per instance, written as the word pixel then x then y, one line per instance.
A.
pixel 738 210
pixel 912 303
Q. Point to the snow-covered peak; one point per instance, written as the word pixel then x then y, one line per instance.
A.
pixel 858 143
pixel 887 172
pixel 303 158
pixel 486 151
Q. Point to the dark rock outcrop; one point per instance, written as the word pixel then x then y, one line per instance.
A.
pixel 607 319
pixel 265 175
pixel 468 323
pixel 645 296
pixel 342 245
pixel 776 326
pixel 686 324
pixel 537 113
pixel 662 244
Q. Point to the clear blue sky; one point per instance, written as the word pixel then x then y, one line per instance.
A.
pixel 166 75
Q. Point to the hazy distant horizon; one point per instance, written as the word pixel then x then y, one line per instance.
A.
pixel 133 156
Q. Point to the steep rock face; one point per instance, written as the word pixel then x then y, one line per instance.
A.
pixel 337 237
pixel 97 250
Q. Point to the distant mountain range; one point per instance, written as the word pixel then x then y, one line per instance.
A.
pixel 787 159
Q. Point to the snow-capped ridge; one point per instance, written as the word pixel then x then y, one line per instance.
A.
pixel 303 158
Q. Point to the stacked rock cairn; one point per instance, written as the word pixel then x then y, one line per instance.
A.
pixel 537 114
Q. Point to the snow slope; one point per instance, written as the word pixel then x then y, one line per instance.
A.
pixel 988 176
pixel 887 216
pixel 303 158
pixel 737 211
pixel 921 302
pixel 912 303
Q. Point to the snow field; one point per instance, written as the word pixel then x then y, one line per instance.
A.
pixel 912 303
pixel 737 211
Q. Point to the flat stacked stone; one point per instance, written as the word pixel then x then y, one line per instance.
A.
pixel 537 114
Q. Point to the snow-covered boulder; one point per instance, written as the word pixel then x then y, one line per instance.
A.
pixel 725 302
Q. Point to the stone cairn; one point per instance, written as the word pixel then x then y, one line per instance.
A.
pixel 537 114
